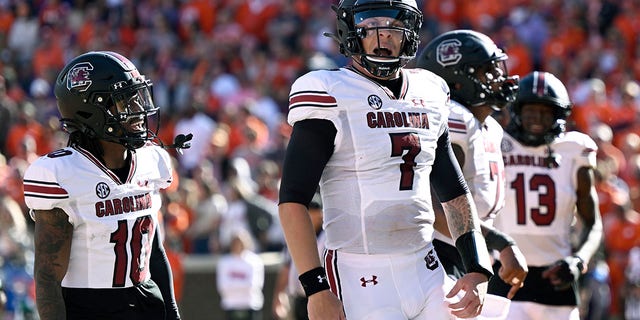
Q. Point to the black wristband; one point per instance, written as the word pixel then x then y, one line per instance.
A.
pixel 314 281
pixel 497 240
pixel 474 254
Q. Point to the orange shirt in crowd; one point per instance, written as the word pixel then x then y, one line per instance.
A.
pixel 446 12
pixel 254 15
pixel 627 233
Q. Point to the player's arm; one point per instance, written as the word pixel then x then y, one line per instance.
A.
pixel 440 222
pixel 162 276
pixel 588 210
pixel 514 265
pixel 565 272
pixel 464 226
pixel 310 147
pixel 52 237
pixel 513 269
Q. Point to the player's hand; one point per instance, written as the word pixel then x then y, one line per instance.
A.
pixel 474 285
pixel 513 270
pixel 280 306
pixel 324 305
pixel 564 272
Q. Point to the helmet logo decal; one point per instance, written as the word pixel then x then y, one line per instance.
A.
pixel 374 102
pixel 448 52
pixel 79 78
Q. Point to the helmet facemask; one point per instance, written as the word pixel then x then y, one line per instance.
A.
pixel 130 115
pixel 518 131
pixel 540 88
pixel 355 23
pixel 493 85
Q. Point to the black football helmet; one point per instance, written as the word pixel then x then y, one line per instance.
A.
pixel 545 88
pixel 473 66
pixel 102 95
pixel 351 12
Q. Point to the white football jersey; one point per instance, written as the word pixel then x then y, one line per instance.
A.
pixel 375 188
pixel 541 201
pixel 114 221
pixel 483 168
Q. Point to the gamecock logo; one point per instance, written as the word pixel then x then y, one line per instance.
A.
pixel 448 52
pixel 79 77
pixel 431 260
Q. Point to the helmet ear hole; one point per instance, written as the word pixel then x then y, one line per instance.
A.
pixel 84 114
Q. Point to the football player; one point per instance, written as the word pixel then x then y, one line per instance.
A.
pixel 550 183
pixel 98 253
pixel 371 134
pixel 475 71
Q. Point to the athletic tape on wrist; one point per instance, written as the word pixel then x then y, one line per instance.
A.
pixel 474 254
pixel 314 281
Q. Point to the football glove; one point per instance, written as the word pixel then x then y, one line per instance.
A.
pixel 563 273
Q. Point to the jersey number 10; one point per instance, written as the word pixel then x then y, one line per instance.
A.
pixel 140 247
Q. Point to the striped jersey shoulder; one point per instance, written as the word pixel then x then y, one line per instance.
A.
pixel 320 99
pixel 40 180
pixel 459 118
pixel 312 90
pixel 457 125
pixel 44 189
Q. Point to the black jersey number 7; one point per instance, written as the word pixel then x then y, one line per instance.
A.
pixel 409 142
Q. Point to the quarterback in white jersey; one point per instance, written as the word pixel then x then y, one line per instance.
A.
pixel 98 253
pixel 549 183
pixel 375 137
pixel 378 132
pixel 475 70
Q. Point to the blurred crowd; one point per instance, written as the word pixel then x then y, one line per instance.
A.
pixel 222 70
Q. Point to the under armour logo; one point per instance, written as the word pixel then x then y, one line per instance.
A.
pixel 373 281
pixel 322 279
pixel 118 85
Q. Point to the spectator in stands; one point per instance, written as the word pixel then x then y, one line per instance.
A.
pixel 240 279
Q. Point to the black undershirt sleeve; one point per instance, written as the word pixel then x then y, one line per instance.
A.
pixel 310 147
pixel 161 275
pixel 446 177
